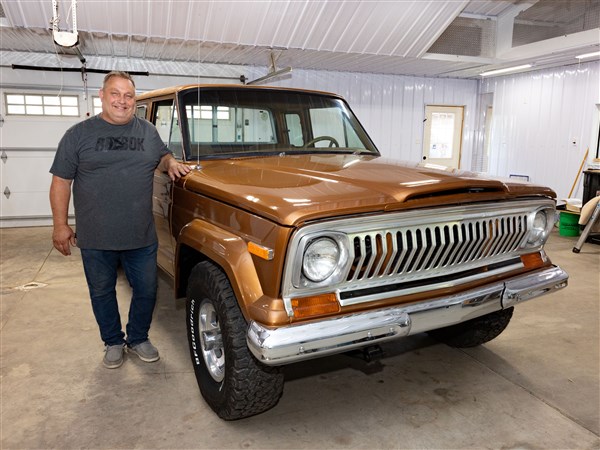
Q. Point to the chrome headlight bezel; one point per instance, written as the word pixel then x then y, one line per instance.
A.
pixel 539 225
pixel 333 275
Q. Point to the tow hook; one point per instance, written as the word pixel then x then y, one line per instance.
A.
pixel 372 353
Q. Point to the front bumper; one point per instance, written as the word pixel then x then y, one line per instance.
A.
pixel 297 342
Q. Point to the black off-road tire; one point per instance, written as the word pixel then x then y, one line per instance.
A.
pixel 474 332
pixel 238 386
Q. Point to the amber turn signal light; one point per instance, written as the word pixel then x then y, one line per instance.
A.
pixel 317 305
pixel 532 260
pixel 261 251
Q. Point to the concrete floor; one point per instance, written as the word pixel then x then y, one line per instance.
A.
pixel 535 386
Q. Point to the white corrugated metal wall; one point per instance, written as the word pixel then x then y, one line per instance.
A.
pixel 537 117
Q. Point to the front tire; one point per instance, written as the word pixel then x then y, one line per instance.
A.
pixel 474 332
pixel 231 380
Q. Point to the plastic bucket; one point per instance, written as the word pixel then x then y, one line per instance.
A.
pixel 568 225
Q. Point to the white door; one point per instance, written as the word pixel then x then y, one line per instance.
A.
pixel 443 135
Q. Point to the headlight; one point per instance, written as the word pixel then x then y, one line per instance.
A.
pixel 321 259
pixel 540 228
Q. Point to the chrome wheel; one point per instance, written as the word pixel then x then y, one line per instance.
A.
pixel 211 341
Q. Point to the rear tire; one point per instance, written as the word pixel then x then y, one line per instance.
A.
pixel 474 332
pixel 232 381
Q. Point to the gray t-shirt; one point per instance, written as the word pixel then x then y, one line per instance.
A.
pixel 112 168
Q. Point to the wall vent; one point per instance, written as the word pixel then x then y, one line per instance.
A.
pixel 467 37
pixel 550 19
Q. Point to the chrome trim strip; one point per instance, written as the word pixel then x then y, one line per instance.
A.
pixel 302 341
pixel 425 287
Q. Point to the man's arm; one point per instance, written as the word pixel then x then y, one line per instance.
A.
pixel 174 168
pixel 63 236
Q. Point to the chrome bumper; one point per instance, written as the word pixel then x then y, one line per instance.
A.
pixel 297 342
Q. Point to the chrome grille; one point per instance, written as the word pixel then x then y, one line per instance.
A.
pixel 408 250
pixel 419 250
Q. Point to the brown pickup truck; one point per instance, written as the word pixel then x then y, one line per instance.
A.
pixel 293 238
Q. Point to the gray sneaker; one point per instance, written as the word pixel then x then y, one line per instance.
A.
pixel 146 351
pixel 113 356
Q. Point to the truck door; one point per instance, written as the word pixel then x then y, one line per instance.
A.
pixel 164 117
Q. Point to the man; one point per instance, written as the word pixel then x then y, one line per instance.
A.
pixel 110 159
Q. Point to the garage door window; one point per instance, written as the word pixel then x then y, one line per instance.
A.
pixel 97 105
pixel 42 105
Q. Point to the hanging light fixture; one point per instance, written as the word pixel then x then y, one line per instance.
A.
pixel 64 38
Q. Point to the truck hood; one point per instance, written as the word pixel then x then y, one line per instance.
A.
pixel 290 189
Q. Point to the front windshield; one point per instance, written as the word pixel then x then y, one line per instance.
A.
pixel 230 122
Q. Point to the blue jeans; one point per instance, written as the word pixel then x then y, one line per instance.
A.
pixel 100 268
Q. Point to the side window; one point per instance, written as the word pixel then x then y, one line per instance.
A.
pixel 294 129
pixel 176 142
pixel 167 124
pixel 259 125
pixel 140 111
pixel 211 124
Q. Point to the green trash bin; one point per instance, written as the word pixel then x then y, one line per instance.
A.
pixel 568 224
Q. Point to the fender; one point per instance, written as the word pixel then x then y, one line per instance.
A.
pixel 227 250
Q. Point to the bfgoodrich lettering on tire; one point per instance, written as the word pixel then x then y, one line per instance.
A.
pixel 231 380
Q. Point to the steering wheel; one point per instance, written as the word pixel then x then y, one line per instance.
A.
pixel 332 141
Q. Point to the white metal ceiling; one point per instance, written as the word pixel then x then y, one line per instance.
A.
pixel 347 35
